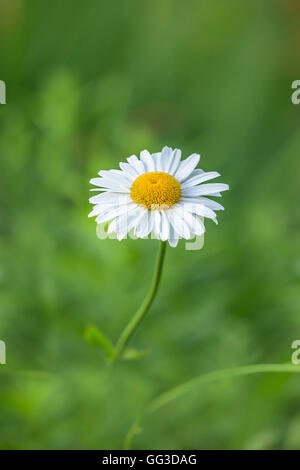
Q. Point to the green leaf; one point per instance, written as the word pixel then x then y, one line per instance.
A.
pixel 96 338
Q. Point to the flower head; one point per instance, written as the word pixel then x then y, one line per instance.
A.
pixel 159 194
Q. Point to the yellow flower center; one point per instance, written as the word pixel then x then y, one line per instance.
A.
pixel 155 190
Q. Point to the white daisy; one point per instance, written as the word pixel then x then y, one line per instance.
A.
pixel 158 194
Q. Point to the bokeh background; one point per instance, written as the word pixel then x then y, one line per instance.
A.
pixel 88 84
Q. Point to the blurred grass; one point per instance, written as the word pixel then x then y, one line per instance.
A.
pixel 88 84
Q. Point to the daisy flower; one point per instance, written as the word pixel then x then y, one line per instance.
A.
pixel 159 194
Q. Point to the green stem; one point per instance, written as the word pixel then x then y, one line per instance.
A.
pixel 140 314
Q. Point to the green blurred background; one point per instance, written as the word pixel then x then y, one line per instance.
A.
pixel 88 84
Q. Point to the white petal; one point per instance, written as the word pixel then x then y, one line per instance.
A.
pixel 138 215
pixel 111 179
pixel 165 226
pixel 112 213
pixel 166 158
pixel 136 164
pixel 130 172
pixel 147 160
pixel 197 171
pixel 215 206
pixel 122 224
pixel 198 209
pixel 157 161
pixel 110 184
pixel 156 218
pixel 144 226
pixel 197 179
pixel 173 238
pixel 114 175
pixel 195 225
pixel 110 197
pixel 175 161
pixel 114 186
pixel 176 218
pixel 105 207
pixel 187 166
pixel 96 181
pixel 205 189
pixel 99 189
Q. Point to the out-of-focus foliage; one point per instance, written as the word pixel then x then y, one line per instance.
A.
pixel 88 84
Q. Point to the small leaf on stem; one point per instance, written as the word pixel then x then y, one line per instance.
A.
pixel 96 338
